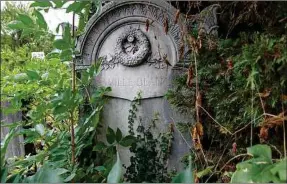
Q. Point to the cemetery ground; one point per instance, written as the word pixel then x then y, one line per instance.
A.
pixel 144 91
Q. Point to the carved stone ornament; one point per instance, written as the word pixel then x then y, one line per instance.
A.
pixel 132 47
pixel 133 58
pixel 130 15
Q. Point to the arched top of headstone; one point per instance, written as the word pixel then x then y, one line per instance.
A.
pixel 122 29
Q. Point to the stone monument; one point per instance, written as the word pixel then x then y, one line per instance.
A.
pixel 139 54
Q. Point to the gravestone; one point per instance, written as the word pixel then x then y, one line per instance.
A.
pixel 16 145
pixel 137 58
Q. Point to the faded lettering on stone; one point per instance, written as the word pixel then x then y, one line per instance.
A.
pixel 133 82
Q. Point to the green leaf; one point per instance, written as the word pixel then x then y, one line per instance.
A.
pixel 28 21
pixel 40 129
pixel 67 33
pixel 66 55
pixel 127 141
pixel 33 75
pixel 61 44
pixel 99 146
pixel 100 168
pixel 5 143
pixel 59 3
pixel 118 135
pixel 280 168
pixel 61 171
pixel 115 174
pixel 186 176
pixel 43 4
pixel 15 178
pixel 261 151
pixel 4 173
pixel 40 20
pixel 204 172
pixel 53 54
pixel 60 109
pixel 98 68
pixel 21 77
pixel 76 7
pixel 18 25
pixel 111 135
pixel 69 178
pixel 46 174
pixel 93 118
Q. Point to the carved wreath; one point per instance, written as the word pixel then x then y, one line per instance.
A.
pixel 132 47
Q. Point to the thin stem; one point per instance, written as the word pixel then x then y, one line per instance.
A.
pixel 184 138
pixel 284 130
pixel 251 127
pixel 247 124
pixel 215 120
pixel 74 91
pixel 196 89
pixel 219 160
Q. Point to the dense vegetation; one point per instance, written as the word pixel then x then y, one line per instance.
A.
pixel 235 86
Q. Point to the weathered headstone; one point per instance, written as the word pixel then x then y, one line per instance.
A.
pixel 16 145
pixel 136 58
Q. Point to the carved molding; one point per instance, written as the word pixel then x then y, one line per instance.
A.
pixel 126 12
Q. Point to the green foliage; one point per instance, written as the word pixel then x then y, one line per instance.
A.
pixel 185 176
pixel 260 168
pixel 52 108
pixel 132 113
pixel 231 93
pixel 115 174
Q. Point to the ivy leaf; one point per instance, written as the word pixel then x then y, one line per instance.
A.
pixel 260 151
pixel 127 141
pixel 119 135
pixel 40 20
pixel 28 21
pixel 111 135
pixel 115 174
pixel 43 4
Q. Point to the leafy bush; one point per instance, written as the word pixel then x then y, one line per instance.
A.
pixel 260 168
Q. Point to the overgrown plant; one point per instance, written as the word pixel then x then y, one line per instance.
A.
pixel 151 152
pixel 260 168
pixel 60 136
